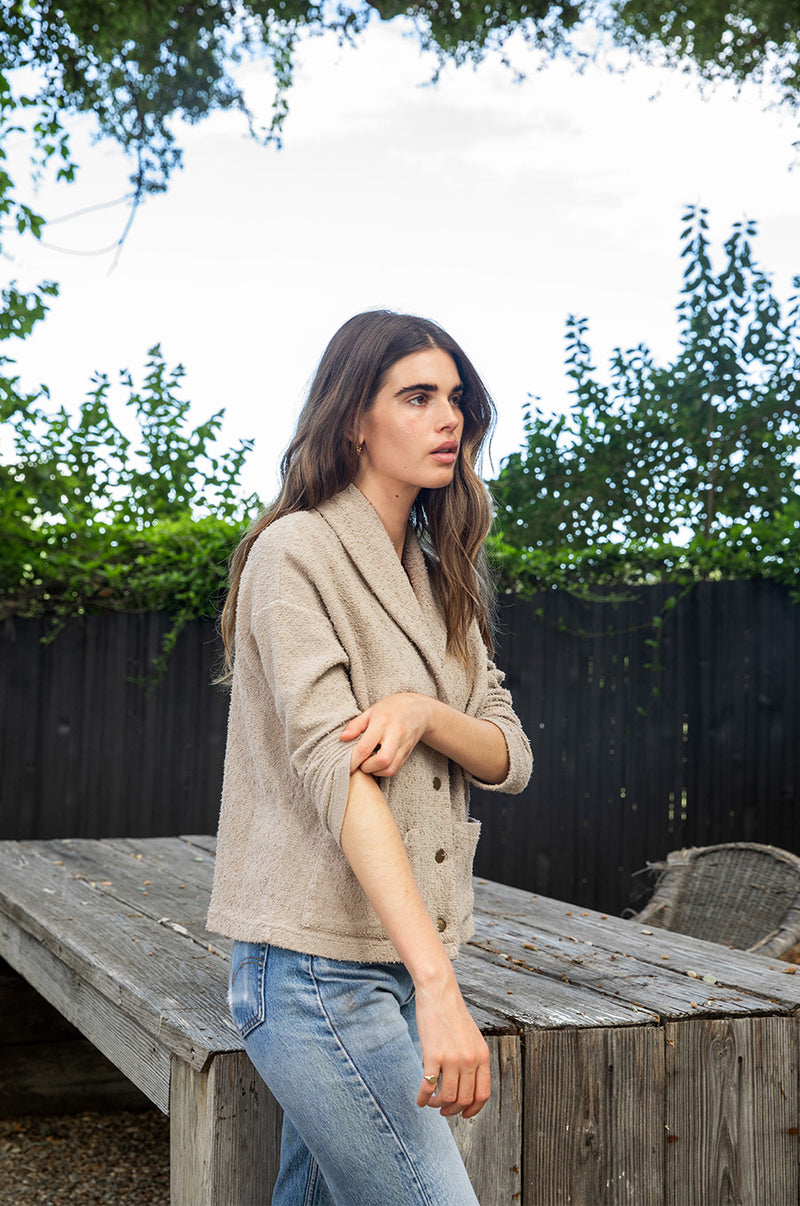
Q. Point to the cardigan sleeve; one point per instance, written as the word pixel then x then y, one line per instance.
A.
pixel 497 707
pixel 307 674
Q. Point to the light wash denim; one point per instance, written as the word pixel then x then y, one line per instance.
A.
pixel 337 1044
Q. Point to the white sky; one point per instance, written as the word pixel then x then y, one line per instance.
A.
pixel 493 207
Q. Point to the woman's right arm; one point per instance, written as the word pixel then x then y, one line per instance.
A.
pixel 452 1044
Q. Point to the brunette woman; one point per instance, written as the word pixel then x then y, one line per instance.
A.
pixel 363 702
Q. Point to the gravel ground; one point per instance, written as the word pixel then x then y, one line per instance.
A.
pixel 119 1159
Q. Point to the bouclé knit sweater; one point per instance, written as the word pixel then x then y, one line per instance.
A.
pixel 328 622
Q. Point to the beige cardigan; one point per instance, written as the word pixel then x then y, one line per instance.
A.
pixel 328 622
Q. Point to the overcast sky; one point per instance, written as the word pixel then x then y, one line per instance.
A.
pixel 494 207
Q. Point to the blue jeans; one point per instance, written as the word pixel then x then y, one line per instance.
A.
pixel 337 1044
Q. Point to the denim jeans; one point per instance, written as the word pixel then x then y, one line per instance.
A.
pixel 337 1044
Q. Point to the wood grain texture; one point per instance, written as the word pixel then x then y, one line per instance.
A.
pixel 732 1112
pixel 224 1135
pixel 46 1065
pixel 677 954
pixel 601 980
pixel 601 1034
pixel 540 1000
pixel 491 1143
pixel 171 987
pixel 135 1051
pixel 594 1122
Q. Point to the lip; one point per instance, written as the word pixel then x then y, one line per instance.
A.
pixel 446 454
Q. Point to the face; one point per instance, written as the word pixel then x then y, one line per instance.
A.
pixel 411 434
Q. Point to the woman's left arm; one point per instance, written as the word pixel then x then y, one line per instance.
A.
pixel 389 730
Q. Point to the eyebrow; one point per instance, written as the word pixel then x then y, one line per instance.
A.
pixel 423 388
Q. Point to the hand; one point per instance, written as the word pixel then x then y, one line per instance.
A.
pixel 387 733
pixel 453 1046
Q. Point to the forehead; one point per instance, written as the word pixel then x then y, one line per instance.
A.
pixel 431 366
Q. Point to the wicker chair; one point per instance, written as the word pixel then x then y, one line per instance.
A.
pixel 740 894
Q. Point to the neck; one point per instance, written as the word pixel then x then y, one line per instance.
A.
pixel 394 507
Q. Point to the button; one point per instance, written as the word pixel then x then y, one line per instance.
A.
pixel 441 924
pixel 440 856
pixel 437 783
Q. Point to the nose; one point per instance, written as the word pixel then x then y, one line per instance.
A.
pixel 450 416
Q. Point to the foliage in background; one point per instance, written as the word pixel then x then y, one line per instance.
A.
pixel 91 520
pixel 20 310
pixel 141 67
pixel 134 63
pixel 733 40
pixel 138 66
pixel 679 472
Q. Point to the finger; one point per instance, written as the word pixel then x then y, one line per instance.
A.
pixel 483 1089
pixel 384 761
pixel 426 1090
pixel 447 1096
pixel 358 757
pixel 365 747
pixel 465 1096
pixel 387 758
pixel 355 727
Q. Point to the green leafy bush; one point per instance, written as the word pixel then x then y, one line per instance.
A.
pixel 679 472
pixel 92 520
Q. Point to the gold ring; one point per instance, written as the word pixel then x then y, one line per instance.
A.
pixel 432 1079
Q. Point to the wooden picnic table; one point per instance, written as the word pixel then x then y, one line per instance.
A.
pixel 629 1065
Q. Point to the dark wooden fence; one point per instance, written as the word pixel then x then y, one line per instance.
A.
pixel 640 747
pixel 86 751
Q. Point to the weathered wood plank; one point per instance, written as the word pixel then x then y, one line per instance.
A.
pixel 132 1049
pixel 732 1112
pixel 170 987
pixel 491 1143
pixel 187 862
pixel 584 1098
pixel 594 1118
pixel 776 982
pixel 150 887
pixel 225 1130
pixel 205 841
pixel 46 1065
pixel 596 974
pixel 531 1000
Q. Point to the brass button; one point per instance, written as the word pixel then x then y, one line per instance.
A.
pixel 437 783
pixel 440 856
pixel 441 924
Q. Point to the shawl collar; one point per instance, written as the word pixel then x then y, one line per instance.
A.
pixel 402 589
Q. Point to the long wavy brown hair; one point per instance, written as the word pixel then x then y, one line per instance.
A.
pixel 452 522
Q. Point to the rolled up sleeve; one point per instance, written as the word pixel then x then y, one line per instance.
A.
pixel 497 706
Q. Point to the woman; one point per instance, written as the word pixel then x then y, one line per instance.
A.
pixel 363 701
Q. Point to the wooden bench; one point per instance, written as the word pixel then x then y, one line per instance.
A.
pixel 629 1066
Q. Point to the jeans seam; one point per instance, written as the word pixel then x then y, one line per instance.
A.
pixel 311 1183
pixel 401 1146
pixel 254 1020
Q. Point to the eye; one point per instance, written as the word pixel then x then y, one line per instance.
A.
pixel 418 399
pixel 457 399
